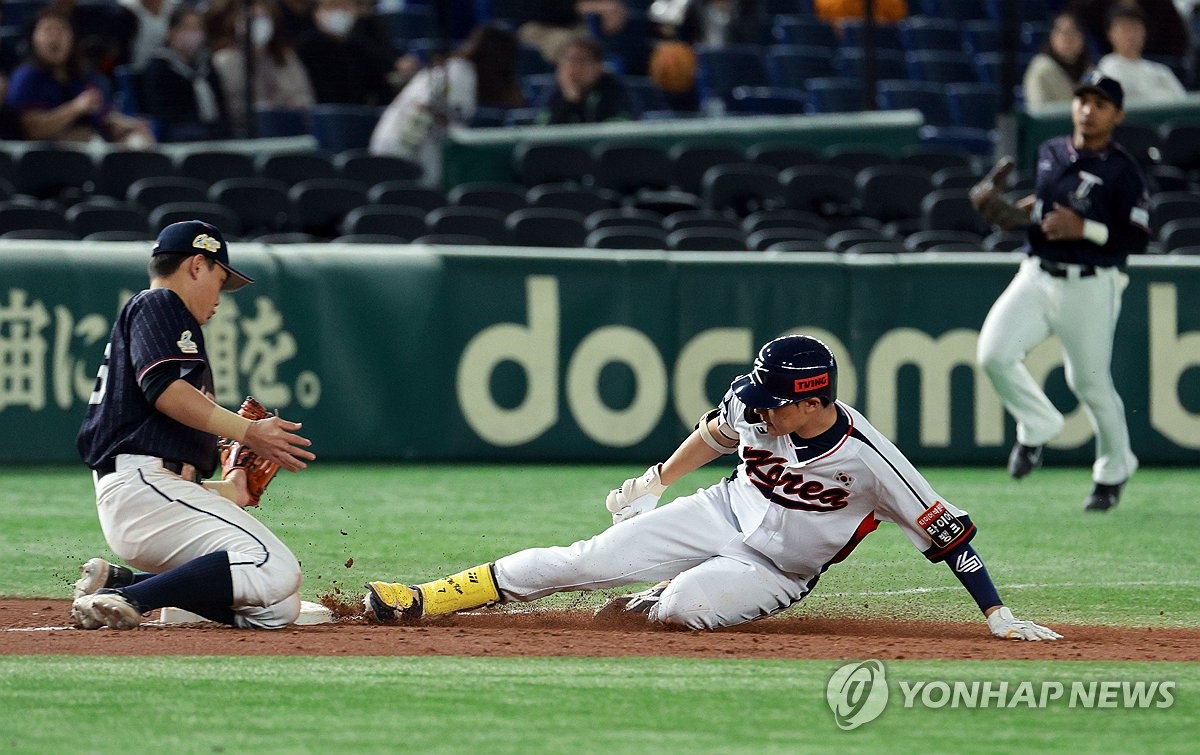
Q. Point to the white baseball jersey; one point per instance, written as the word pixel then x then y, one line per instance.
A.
pixel 756 543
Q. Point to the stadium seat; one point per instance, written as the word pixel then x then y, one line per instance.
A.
pixel 951 210
pixel 1165 178
pixel 1173 205
pixel 272 122
pixel 479 222
pixel 645 94
pixel 929 98
pixel 51 172
pixel 955 178
pixel 980 36
pixel 1027 9
pixel 91 217
pixel 891 193
pixel 143 235
pixel 568 196
pixel 855 157
pixel 792 65
pixel 505 197
pixel 360 165
pixel 960 10
pixel 623 217
pixel 319 204
pixel 765 220
pixel 118 169
pixel 338 128
pixel 927 33
pixel 794 29
pixel 923 240
pixel 875 247
pixel 836 95
pixel 821 189
pixel 940 67
pixel 550 163
pixel 840 241
pixel 386 220
pixel 407 194
pixel 547 227
pixel 690 161
pixel 706 240
pixel 782 156
pixel 369 238
pixel 664 202
pixel 742 188
pixel 1004 241
pixel 699 219
pixel 210 166
pixel 720 69
pixel 626 237
pixel 210 212
pixel 886 36
pixel 293 237
pixel 294 167
pixel 7 190
pixel 41 234
pixel 1140 140
pixel 767 238
pixel 973 105
pixel 850 63
pixel 453 239
pixel 1181 144
pixel 766 101
pixel 1176 234
pixel 261 204
pixel 625 168
pixel 933 159
pixel 149 193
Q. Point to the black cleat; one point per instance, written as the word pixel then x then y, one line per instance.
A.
pixel 1023 460
pixel 1103 497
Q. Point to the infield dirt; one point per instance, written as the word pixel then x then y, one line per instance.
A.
pixel 42 626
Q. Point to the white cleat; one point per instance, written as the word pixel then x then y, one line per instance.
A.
pixel 92 576
pixel 108 608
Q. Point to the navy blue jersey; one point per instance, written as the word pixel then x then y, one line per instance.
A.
pixel 1105 186
pixel 154 342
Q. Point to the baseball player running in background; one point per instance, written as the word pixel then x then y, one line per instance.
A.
pixel 814 479
pixel 151 433
pixel 1089 211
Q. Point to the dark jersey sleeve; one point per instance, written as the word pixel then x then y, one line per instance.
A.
pixel 165 345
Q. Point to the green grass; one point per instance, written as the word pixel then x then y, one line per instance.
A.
pixel 564 705
pixel 1135 566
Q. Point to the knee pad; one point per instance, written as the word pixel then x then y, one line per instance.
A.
pixel 276 616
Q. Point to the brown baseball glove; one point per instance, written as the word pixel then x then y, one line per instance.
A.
pixel 235 455
pixel 987 197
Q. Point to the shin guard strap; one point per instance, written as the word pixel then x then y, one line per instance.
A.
pixel 468 589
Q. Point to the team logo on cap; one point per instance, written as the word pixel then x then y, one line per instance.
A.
pixel 207 243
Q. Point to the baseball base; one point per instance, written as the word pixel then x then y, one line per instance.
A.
pixel 310 613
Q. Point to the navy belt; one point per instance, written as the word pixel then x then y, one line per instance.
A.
pixel 1062 270
pixel 110 466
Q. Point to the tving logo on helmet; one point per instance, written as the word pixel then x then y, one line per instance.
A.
pixel 857 693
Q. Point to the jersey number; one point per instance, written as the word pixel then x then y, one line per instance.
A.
pixel 101 378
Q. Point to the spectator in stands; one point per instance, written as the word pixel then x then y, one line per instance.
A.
pixel 709 22
pixel 482 72
pixel 180 89
pixel 1142 80
pixel 10 119
pixel 153 17
pixel 549 24
pixel 1062 61
pixel 837 11
pixel 280 79
pixel 1166 33
pixel 344 63
pixel 585 92
pixel 56 100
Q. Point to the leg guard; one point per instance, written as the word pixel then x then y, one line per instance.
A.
pixel 468 589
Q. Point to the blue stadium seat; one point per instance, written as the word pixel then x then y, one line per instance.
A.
pixel 929 98
pixel 959 10
pixel 980 37
pixel 792 65
pixel 1033 34
pixel 835 95
pixel 537 88
pixel 126 96
pixel 767 101
pixel 280 121
pixel 720 69
pixel 925 33
pixel 341 127
pixel 889 64
pixel 1027 10
pixel 887 36
pixel 941 67
pixel 804 30
pixel 973 105
pixel 645 94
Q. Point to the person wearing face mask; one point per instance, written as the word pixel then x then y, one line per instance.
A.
pixel 179 87
pixel 1143 80
pixel 344 62
pixel 1062 61
pixel 280 79
pixel 152 17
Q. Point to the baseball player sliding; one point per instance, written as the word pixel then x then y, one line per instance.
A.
pixel 814 479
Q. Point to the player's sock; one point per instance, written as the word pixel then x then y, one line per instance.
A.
pixel 468 589
pixel 138 576
pixel 203 582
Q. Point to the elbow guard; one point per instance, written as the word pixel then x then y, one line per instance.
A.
pixel 714 442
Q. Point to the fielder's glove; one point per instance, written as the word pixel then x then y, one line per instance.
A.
pixel 636 495
pixel 235 455
pixel 1008 627
pixel 987 197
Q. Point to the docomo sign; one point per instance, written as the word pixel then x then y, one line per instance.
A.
pixel 535 347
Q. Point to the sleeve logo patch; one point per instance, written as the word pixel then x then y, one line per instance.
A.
pixel 186 344
pixel 943 527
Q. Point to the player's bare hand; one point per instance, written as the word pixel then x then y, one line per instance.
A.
pixel 275 439
pixel 1008 627
pixel 1062 224
pixel 239 493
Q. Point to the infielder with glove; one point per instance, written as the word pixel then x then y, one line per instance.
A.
pixel 151 433
pixel 1088 212
pixel 814 478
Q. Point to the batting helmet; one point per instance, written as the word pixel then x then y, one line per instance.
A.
pixel 789 369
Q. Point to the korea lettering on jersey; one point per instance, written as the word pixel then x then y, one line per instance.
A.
pixel 805 503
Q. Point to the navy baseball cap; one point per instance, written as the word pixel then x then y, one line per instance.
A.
pixel 1109 89
pixel 198 237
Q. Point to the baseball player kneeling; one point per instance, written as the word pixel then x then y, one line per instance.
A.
pixel 814 479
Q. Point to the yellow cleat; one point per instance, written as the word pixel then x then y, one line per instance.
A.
pixel 392 603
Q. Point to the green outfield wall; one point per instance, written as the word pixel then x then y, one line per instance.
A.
pixel 426 353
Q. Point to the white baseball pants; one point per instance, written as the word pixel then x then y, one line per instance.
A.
pixel 716 579
pixel 1083 313
pixel 154 520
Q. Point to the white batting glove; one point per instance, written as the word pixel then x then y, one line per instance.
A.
pixel 636 495
pixel 1008 627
